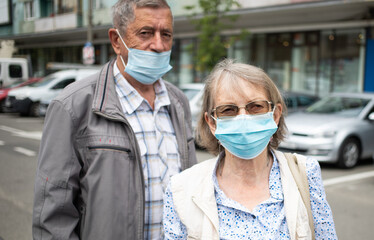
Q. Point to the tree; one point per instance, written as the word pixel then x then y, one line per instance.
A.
pixel 214 19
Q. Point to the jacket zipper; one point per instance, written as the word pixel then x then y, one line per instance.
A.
pixel 110 147
pixel 137 155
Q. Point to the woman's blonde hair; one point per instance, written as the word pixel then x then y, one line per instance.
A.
pixel 227 73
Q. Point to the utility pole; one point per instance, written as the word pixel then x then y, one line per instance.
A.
pixel 89 26
pixel 88 49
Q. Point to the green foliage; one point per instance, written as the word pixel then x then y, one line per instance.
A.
pixel 211 47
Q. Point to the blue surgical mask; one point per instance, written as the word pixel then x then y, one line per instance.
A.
pixel 146 67
pixel 246 136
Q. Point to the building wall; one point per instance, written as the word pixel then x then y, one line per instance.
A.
pixel 316 60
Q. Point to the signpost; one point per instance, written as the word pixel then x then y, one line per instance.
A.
pixel 88 54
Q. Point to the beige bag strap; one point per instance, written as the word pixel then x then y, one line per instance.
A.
pixel 297 165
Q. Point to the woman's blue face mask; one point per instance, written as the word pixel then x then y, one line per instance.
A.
pixel 146 67
pixel 246 136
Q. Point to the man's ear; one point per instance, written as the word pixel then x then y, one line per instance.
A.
pixel 278 113
pixel 210 121
pixel 115 40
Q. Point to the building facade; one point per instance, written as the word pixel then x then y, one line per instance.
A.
pixel 308 46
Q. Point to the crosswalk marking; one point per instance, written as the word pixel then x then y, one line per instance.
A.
pixel 348 178
pixel 25 151
pixel 37 135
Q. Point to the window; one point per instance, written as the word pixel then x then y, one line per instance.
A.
pixel 66 6
pixel 98 4
pixel 63 83
pixel 15 71
pixel 29 10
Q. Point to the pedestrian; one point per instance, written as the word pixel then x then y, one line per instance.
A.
pixel 112 141
pixel 248 191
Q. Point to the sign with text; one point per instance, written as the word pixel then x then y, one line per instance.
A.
pixel 88 54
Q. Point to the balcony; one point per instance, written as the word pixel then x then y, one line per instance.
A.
pixel 58 22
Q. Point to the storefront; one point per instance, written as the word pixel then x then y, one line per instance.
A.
pixel 316 62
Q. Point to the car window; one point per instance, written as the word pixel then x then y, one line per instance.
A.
pixel 15 71
pixel 290 102
pixel 63 83
pixel 305 100
pixel 339 105
pixel 46 80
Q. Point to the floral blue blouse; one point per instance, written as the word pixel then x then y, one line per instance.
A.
pixel 265 221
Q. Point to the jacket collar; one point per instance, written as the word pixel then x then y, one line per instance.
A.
pixel 107 104
pixel 105 99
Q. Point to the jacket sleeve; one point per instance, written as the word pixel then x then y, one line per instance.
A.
pixel 57 179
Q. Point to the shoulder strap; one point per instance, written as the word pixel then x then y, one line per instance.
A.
pixel 297 165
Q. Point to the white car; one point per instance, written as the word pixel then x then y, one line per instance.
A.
pixel 26 100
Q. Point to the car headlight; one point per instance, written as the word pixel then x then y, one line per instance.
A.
pixel 325 134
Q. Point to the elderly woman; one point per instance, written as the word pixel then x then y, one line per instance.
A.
pixel 247 191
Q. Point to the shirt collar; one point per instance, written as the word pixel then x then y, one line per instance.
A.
pixel 133 100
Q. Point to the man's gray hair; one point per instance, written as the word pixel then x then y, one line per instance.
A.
pixel 123 11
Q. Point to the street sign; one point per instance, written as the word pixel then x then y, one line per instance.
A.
pixel 88 54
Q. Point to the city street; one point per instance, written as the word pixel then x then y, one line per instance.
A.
pixel 350 192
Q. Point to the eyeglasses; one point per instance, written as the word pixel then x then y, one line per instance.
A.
pixel 252 108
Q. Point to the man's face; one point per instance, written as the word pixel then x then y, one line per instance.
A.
pixel 152 30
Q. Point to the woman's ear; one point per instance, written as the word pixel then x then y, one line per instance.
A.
pixel 278 113
pixel 210 121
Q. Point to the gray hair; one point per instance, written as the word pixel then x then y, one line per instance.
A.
pixel 228 73
pixel 123 11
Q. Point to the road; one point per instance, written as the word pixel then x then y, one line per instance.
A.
pixel 349 192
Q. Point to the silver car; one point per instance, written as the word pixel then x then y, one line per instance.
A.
pixel 338 128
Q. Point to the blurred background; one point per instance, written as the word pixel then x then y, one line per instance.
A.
pixel 319 53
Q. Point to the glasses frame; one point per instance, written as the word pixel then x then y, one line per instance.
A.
pixel 271 107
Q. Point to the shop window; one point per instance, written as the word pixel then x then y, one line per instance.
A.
pixel 342 60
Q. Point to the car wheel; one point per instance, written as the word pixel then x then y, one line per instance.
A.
pixel 35 109
pixel 349 153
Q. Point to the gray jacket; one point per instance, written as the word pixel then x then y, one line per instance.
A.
pixel 89 182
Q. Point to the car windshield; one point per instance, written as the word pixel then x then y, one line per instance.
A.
pixel 43 82
pixel 190 93
pixel 15 84
pixel 345 106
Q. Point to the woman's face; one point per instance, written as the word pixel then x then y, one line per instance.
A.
pixel 242 93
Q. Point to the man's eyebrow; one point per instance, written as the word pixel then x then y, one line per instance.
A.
pixel 146 28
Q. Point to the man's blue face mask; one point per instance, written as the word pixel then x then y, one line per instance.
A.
pixel 146 67
pixel 246 136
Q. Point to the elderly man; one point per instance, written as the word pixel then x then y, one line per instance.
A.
pixel 112 141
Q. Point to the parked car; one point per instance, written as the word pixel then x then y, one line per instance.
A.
pixel 297 101
pixel 339 129
pixel 4 91
pixel 26 100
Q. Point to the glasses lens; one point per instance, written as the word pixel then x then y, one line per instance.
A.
pixel 227 111
pixel 258 107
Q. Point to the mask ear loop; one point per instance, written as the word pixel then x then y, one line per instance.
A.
pixel 119 35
